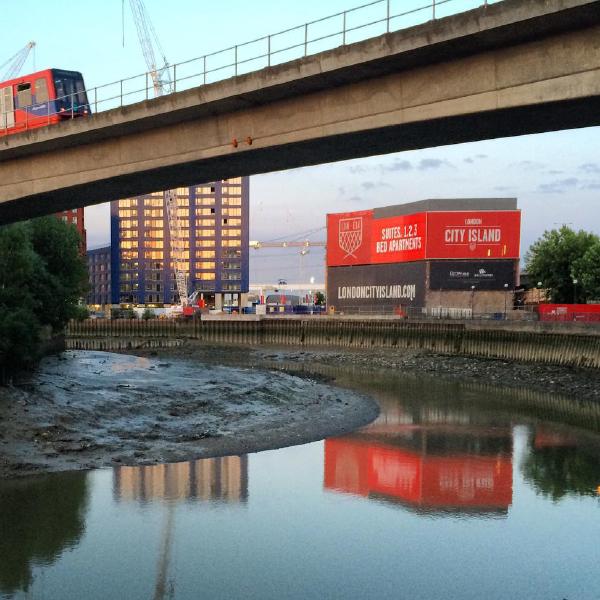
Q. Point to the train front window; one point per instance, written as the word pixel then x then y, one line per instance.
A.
pixel 70 89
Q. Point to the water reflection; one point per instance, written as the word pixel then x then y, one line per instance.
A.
pixel 216 479
pixel 39 520
pixel 520 484
pixel 558 465
pixel 432 459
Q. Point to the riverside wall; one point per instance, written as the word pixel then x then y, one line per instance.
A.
pixel 545 343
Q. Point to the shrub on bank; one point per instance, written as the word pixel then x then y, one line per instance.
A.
pixel 42 278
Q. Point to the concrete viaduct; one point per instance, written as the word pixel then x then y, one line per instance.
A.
pixel 512 68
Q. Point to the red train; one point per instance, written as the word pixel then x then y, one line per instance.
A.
pixel 41 99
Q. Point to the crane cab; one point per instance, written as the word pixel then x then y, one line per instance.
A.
pixel 40 99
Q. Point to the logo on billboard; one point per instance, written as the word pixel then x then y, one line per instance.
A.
pixel 350 235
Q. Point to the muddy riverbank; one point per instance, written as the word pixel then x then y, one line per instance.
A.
pixel 578 383
pixel 85 410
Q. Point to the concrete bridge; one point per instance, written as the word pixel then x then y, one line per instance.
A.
pixel 512 68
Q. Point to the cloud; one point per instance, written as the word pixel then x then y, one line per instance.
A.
pixel 527 164
pixel 592 168
pixel 371 185
pixel 504 188
pixel 397 165
pixel 356 199
pixel 471 159
pixel 591 185
pixel 554 172
pixel 558 187
pixel 426 164
pixel 393 167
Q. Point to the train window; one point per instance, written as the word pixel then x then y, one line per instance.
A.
pixel 41 90
pixel 70 89
pixel 24 94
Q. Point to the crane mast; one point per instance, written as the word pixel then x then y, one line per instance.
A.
pixel 161 80
pixel 15 63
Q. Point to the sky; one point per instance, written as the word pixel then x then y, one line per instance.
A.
pixel 554 176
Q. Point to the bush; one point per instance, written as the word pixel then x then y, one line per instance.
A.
pixel 148 314
pixel 42 278
pixel 81 313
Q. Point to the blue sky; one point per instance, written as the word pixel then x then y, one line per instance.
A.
pixel 555 176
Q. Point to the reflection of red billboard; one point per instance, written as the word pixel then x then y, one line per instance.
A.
pixel 443 482
pixel 357 238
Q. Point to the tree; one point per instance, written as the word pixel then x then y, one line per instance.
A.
pixel 42 277
pixel 552 259
pixel 148 314
pixel 587 271
pixel 64 278
pixel 19 325
pixel 319 299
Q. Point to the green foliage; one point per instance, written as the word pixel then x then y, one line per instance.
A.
pixel 319 299
pixel 40 519
pixel 81 313
pixel 42 277
pixel 148 314
pixel 587 270
pixel 557 472
pixel 557 258
pixel 64 280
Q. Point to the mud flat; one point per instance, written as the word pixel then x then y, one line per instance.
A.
pixel 85 410
pixel 578 383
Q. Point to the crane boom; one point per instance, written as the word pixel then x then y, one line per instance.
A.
pixel 16 62
pixel 149 41
pixel 305 244
pixel 161 80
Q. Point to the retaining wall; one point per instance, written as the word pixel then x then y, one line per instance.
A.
pixel 465 339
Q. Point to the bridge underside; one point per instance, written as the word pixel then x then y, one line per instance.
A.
pixel 469 77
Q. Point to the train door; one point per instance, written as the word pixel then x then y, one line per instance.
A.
pixel 7 108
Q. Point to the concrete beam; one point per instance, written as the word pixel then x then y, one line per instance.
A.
pixel 517 67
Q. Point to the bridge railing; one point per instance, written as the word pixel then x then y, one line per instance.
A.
pixel 355 24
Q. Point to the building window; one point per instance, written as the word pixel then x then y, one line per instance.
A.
pixel 205 211
pixel 205 254
pixel 205 233
pixel 231 212
pixel 128 203
pixel 231 232
pixel 205 265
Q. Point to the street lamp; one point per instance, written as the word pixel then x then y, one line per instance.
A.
pixel 539 287
pixel 505 298
pixel 472 299
pixel 575 282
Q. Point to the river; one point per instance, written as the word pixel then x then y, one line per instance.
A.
pixel 453 492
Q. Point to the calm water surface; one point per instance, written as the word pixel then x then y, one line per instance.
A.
pixel 454 492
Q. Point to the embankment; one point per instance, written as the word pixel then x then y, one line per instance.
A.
pixel 567 345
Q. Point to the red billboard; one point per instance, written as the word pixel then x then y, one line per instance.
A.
pixel 474 234
pixel 358 239
pixel 349 238
pixel 569 312
pixel 398 239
